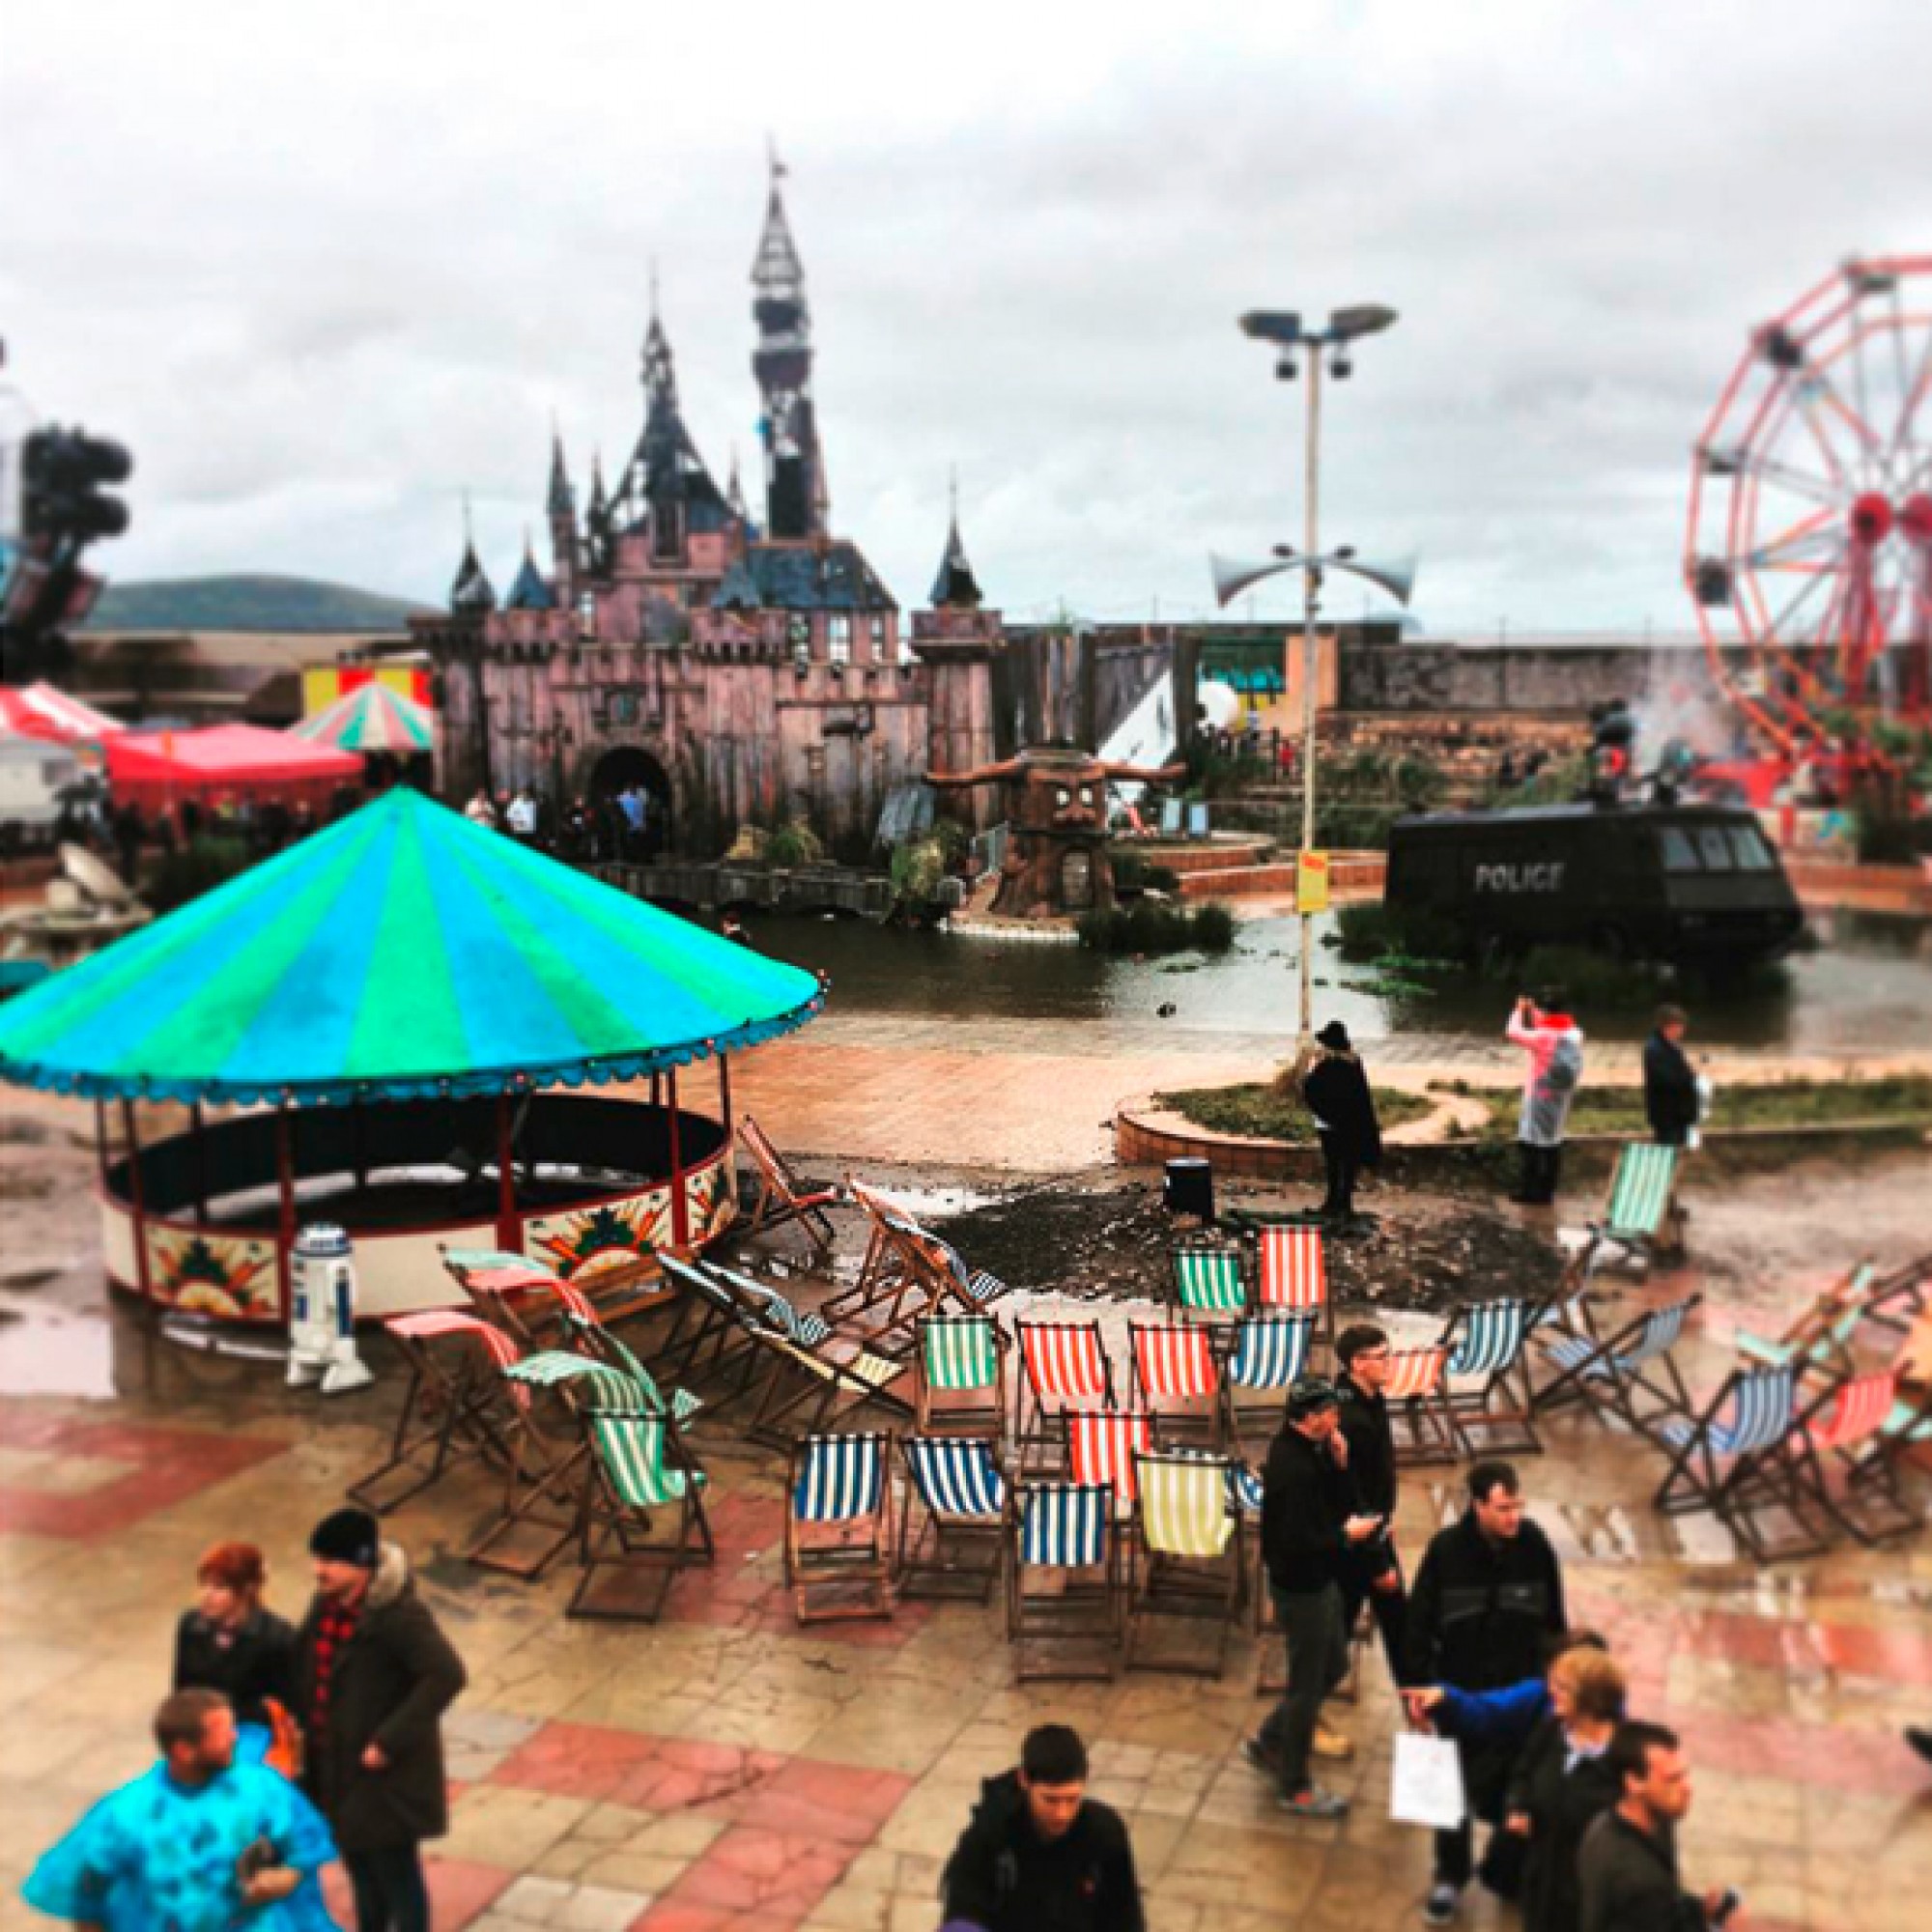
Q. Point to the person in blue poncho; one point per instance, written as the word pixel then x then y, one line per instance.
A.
pixel 197 1843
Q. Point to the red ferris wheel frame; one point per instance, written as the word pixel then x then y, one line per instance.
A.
pixel 1822 433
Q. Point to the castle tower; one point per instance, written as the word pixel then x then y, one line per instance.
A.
pixel 795 493
pixel 955 588
pixel 561 511
pixel 472 594
pixel 666 481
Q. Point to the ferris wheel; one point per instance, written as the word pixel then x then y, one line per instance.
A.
pixel 1808 554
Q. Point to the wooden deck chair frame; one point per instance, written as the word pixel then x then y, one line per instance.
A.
pixel 1042 1347
pixel 1741 1472
pixel 1292 1275
pixel 1178 1383
pixel 1646 1176
pixel 1629 1372
pixel 782 1199
pixel 1099 1452
pixel 638 1471
pixel 1486 1379
pixel 838 1554
pixel 1898 1302
pixel 713 1338
pixel 1085 1608
pixel 1265 1353
pixel 892 1275
pixel 455 1407
pixel 1421 1419
pixel 1210 1284
pixel 1821 1332
pixel 953 1519
pixel 949 1397
pixel 1182 1502
pixel 1244 1490
pixel 1847 1457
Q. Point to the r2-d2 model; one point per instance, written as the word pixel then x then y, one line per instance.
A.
pixel 322 1323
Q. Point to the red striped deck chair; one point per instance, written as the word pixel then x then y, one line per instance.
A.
pixel 523 1298
pixel 838 1542
pixel 952 1524
pixel 456 1407
pixel 1846 1457
pixel 1188 1567
pixel 1417 1395
pixel 783 1201
pixel 1063 1370
pixel 1295 1276
pixel 960 1383
pixel 1490 1396
pixel 1063 1582
pixel 1100 1451
pixel 1179 1379
pixel 642 1521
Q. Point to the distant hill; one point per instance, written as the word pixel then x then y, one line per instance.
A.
pixel 283 604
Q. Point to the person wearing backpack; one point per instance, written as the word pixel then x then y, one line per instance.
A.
pixel 1554 1044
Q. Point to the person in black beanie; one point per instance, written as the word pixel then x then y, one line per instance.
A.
pixel 1335 1091
pixel 374 1674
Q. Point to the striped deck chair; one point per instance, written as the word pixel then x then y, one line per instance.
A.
pixel 528 1300
pixel 1846 1457
pixel 892 1285
pixel 1420 1418
pixel 605 1344
pixel 838 1545
pixel 1244 1492
pixel 1064 1371
pixel 1822 1334
pixel 1179 1379
pixel 952 1525
pixel 1210 1282
pixel 951 1281
pixel 1641 1217
pixel 1489 1393
pixel 457 1406
pixel 1100 1451
pixel 1729 1459
pixel 1295 1275
pixel 641 1479
pixel 960 1381
pixel 783 1201
pixel 1629 1372
pixel 1189 1563
pixel 1062 1581
pixel 1270 1353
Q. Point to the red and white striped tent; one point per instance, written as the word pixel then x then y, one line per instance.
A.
pixel 40 711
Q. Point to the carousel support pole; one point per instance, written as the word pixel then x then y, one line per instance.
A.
pixel 131 1134
pixel 197 1126
pixel 725 1093
pixel 680 1208
pixel 358 1145
pixel 509 1235
pixel 101 1140
pixel 285 1230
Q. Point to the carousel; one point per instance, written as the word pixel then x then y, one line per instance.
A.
pixel 394 1027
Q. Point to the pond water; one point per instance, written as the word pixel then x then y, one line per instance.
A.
pixel 1869 986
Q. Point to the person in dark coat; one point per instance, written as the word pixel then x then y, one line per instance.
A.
pixel 1039 1855
pixel 1562 1783
pixel 374 1674
pixel 230 1643
pixel 1670 1100
pixel 1335 1091
pixel 1487 1599
pixel 1371 1573
pixel 1627 1875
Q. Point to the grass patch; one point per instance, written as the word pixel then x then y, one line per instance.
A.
pixel 1773 1103
pixel 1257 1109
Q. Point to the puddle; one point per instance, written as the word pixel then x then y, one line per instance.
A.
pixel 45 1353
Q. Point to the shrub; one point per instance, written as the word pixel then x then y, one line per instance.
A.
pixel 794 845
pixel 1133 873
pixel 200 865
pixel 1212 927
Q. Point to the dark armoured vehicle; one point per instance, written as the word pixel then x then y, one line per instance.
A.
pixel 1697 885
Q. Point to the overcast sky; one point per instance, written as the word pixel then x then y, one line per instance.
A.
pixel 324 267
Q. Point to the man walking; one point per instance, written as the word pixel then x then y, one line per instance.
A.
pixel 1670 1097
pixel 1371 1572
pixel 1039 1855
pixel 1309 1524
pixel 197 1840
pixel 1487 1597
pixel 374 1674
pixel 1627 1870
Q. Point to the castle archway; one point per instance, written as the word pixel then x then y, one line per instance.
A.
pixel 627 768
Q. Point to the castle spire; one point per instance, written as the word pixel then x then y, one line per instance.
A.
pixel 531 592
pixel 955 588
pixel 795 492
pixel 562 500
pixel 665 478
pixel 472 592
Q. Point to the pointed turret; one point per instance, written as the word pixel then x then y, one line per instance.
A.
pixel 795 494
pixel 472 593
pixel 530 592
pixel 666 479
pixel 735 494
pixel 562 500
pixel 955 588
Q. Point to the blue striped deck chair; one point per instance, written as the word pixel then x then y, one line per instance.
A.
pixel 1629 1373
pixel 952 1525
pixel 838 1545
pixel 1188 1568
pixel 1487 1377
pixel 1210 1283
pixel 1062 1581
pixel 1269 1352
pixel 1641 1218
pixel 1731 1459
pixel 643 1519
pixel 960 1378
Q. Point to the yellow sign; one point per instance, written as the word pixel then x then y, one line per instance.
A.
pixel 1311 882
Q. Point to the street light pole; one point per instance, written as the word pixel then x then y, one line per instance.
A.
pixel 1311 604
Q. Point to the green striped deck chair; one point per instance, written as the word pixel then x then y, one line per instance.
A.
pixel 642 1518
pixel 960 1387
pixel 1641 1218
pixel 607 1346
pixel 1188 1567
pixel 1209 1283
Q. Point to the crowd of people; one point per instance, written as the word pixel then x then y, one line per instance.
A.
pixel 624 826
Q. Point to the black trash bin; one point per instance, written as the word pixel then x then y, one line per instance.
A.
pixel 1190 1187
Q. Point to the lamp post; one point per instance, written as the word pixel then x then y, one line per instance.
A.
pixel 1282 327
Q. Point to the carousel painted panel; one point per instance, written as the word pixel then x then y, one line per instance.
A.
pixel 228 1277
pixel 119 1255
pixel 398 1273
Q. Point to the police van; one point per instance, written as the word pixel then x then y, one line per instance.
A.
pixel 1691 884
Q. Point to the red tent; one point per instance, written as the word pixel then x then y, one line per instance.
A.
pixel 159 770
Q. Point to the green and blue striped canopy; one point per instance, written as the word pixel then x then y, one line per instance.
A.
pixel 403 954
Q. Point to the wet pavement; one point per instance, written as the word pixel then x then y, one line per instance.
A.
pixel 724 1768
